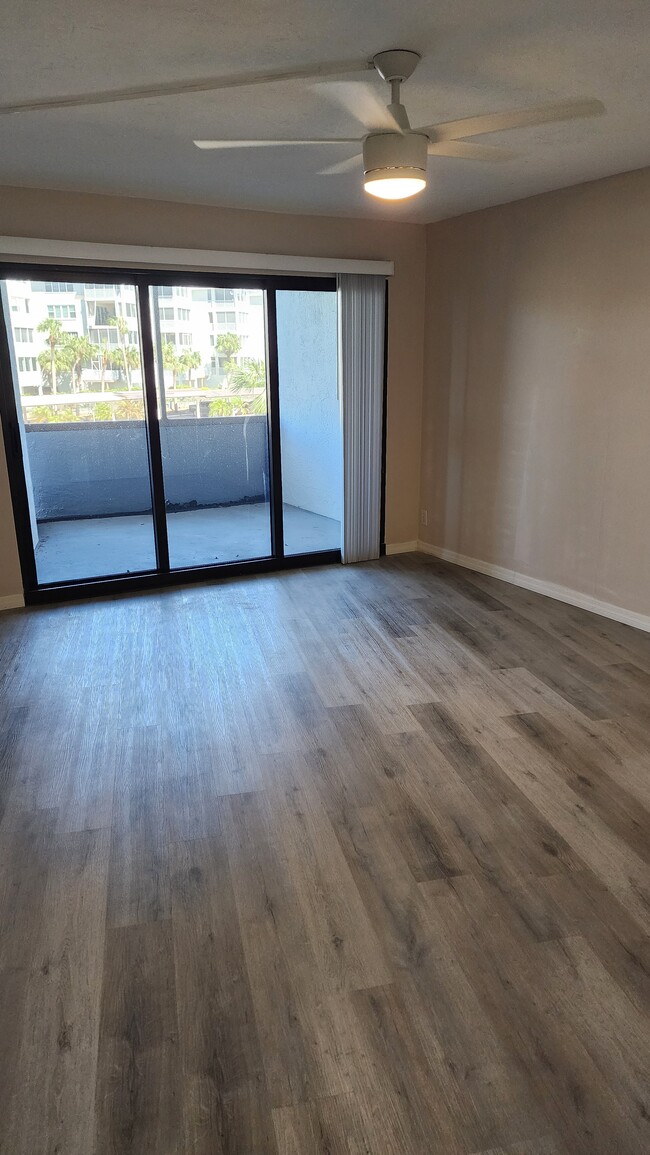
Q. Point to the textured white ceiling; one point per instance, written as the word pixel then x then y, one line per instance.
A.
pixel 477 57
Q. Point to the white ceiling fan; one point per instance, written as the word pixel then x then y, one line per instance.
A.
pixel 395 155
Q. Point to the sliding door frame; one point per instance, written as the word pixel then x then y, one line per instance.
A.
pixel 273 425
pixel 152 424
pixel 142 280
pixel 14 456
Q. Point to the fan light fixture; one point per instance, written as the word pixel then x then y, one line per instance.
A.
pixel 395 164
pixel 394 184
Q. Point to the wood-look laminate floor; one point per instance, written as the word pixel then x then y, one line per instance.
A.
pixel 350 861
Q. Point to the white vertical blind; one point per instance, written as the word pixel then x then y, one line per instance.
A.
pixel 361 371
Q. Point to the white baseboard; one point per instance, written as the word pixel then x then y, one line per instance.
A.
pixel 536 585
pixel 403 547
pixel 12 602
pixel 548 589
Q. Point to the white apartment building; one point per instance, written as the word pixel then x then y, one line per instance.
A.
pixel 28 308
pixel 189 318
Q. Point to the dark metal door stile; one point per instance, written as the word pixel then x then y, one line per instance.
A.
pixel 15 463
pixel 153 430
pixel 273 419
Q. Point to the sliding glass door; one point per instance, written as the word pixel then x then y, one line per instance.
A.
pixel 76 368
pixel 160 425
pixel 210 353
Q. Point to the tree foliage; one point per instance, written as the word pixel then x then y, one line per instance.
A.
pixel 71 353
pixel 129 409
pixel 107 358
pixel 171 360
pixel 250 377
pixel 229 344
pixel 129 354
pixel 52 415
pixel 79 351
pixel 190 360
pixel 103 411
pixel 225 407
pixel 54 334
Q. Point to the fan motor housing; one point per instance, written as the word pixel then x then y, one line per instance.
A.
pixel 396 150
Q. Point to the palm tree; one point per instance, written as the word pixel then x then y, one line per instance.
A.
pixel 55 333
pixel 171 360
pixel 229 344
pixel 122 328
pixel 250 377
pixel 190 360
pixel 132 356
pixel 79 350
pixel 61 364
pixel 106 358
pixel 46 369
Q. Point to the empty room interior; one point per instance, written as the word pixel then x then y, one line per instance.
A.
pixel 325 578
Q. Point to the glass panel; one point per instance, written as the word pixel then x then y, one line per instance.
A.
pixel 210 346
pixel 310 421
pixel 75 354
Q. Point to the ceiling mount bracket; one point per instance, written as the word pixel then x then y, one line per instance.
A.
pixel 396 64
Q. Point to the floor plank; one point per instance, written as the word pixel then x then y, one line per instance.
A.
pixel 62 1004
pixel 224 1095
pixel 138 1093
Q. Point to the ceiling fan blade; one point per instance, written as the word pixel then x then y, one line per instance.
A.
pixel 181 87
pixel 362 102
pixel 523 118
pixel 347 165
pixel 221 144
pixel 464 150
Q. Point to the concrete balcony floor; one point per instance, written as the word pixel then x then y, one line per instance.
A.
pixel 101 546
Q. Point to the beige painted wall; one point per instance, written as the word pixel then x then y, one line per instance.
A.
pixel 70 216
pixel 536 410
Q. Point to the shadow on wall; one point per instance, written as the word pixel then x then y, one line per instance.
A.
pixel 467 354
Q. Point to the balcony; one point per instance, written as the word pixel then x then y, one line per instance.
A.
pixel 91 496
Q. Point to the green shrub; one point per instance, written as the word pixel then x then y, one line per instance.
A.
pixel 225 407
pixel 103 411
